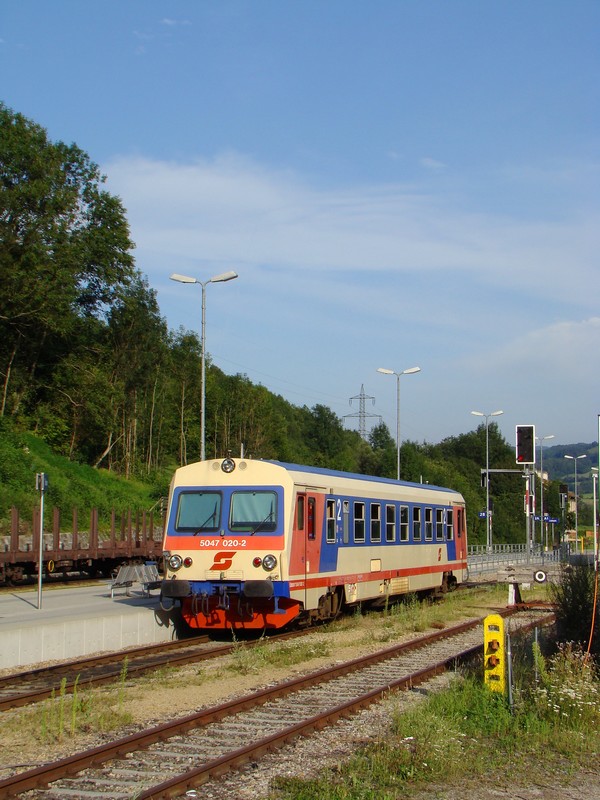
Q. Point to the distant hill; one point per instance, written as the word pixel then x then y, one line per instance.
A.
pixel 562 469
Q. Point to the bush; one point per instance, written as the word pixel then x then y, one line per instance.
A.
pixel 576 605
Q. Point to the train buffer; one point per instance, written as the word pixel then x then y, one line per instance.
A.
pixel 144 574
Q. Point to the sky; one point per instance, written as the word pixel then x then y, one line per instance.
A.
pixel 397 183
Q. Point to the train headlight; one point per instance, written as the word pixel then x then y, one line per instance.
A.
pixel 228 465
pixel 269 563
pixel 175 562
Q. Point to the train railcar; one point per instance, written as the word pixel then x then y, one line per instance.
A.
pixel 252 544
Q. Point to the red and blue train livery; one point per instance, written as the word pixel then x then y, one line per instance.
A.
pixel 252 544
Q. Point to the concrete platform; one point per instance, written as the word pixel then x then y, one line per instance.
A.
pixel 75 622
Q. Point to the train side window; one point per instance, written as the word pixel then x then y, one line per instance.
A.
pixel 390 523
pixel 416 515
pixel 310 518
pixel 439 524
pixel 300 512
pixel 460 521
pixel 359 521
pixel 375 522
pixel 404 523
pixel 428 524
pixel 450 524
pixel 330 532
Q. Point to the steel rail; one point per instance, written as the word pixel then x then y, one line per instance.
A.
pixel 164 654
pixel 45 774
pixel 158 655
pixel 173 787
pixel 102 658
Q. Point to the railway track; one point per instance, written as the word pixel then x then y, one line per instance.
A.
pixel 22 688
pixel 172 758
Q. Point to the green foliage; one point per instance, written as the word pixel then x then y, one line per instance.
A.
pixel 469 732
pixel 248 659
pixel 71 485
pixel 567 694
pixel 575 597
pixel 65 256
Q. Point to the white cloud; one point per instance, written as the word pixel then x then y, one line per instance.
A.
pixel 172 23
pixel 497 309
pixel 567 351
pixel 234 209
pixel 432 163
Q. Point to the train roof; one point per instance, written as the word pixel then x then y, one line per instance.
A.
pixel 301 473
pixel 325 472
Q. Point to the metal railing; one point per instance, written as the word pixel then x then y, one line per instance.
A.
pixel 483 559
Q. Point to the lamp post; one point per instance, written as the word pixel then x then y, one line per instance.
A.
pixel 575 459
pixel 541 440
pixel 410 371
pixel 225 276
pixel 488 521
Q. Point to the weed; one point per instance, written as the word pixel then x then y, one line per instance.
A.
pixel 469 730
pixel 251 659
pixel 122 679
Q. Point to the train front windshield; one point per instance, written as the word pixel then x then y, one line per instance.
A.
pixel 250 511
pixel 253 512
pixel 198 511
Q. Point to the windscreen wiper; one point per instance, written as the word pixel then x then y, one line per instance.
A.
pixel 260 524
pixel 210 516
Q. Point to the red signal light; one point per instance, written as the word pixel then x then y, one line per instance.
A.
pixel 525 439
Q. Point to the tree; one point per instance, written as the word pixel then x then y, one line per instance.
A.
pixel 137 350
pixel 381 458
pixel 184 394
pixel 325 436
pixel 64 253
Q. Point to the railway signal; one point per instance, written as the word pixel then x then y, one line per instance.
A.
pixel 494 653
pixel 525 439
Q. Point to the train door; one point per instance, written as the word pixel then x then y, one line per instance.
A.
pixel 461 533
pixel 307 535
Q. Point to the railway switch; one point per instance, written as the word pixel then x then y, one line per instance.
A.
pixel 494 664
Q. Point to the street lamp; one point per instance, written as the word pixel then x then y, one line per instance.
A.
pixel 225 276
pixel 487 472
pixel 575 459
pixel 541 440
pixel 410 371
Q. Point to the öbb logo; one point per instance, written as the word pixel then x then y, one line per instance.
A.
pixel 223 560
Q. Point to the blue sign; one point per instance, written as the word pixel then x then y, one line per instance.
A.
pixel 481 515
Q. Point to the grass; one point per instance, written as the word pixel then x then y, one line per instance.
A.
pixel 70 484
pixel 65 719
pixel 246 660
pixel 67 715
pixel 468 733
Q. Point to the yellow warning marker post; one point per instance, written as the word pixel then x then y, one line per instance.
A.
pixel 494 653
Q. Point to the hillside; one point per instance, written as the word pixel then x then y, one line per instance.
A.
pixel 71 484
pixel 562 469
pixel 455 462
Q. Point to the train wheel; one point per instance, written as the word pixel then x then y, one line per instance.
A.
pixel 330 605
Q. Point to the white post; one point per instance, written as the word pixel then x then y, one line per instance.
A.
pixel 41 484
